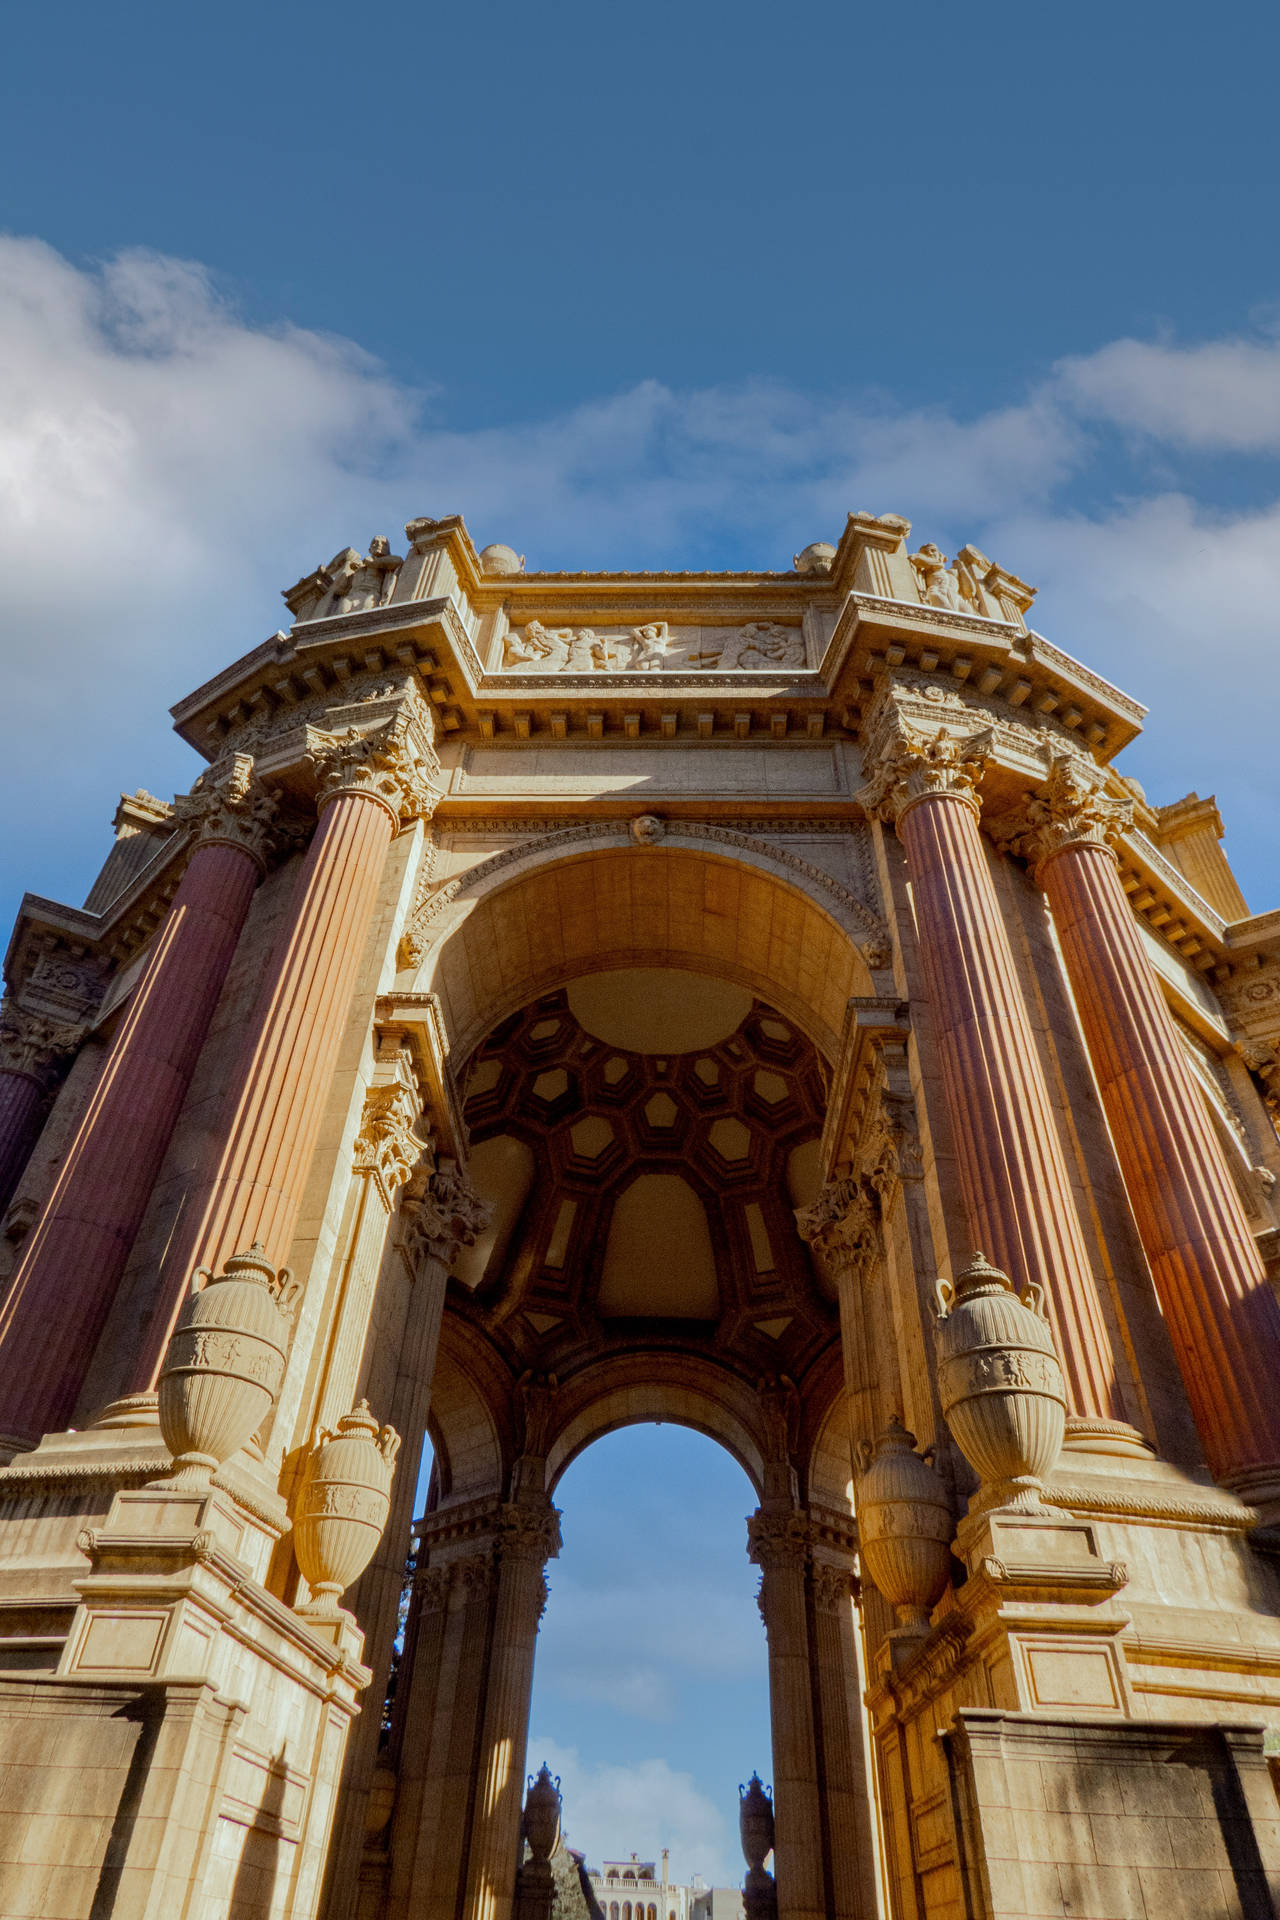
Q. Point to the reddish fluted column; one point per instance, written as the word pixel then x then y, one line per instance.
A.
pixel 276 1098
pixel 1223 1319
pixel 64 1285
pixel 1012 1172
pixel 29 1047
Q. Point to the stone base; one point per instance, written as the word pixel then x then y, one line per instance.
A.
pixel 1060 1819
pixel 185 1757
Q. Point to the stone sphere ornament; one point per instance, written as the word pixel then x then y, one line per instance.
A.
pixel 343 1506
pixel 816 558
pixel 1000 1383
pixel 224 1364
pixel 501 560
pixel 905 1524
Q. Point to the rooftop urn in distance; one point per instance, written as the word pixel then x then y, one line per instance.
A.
pixel 816 558
pixel 905 1524
pixel 1000 1383
pixel 542 1813
pixel 501 560
pixel 343 1506
pixel 224 1364
pixel 755 1821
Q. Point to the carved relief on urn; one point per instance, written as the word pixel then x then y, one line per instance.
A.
pixel 1000 1383
pixel 343 1506
pixel 224 1363
pixel 905 1525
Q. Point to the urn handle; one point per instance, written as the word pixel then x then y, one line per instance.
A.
pixel 862 1453
pixel 288 1291
pixel 200 1280
pixel 1033 1297
pixel 389 1446
pixel 944 1298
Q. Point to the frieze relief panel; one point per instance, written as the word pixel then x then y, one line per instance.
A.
pixel 759 646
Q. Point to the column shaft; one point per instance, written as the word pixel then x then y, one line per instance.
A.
pixel 1012 1170
pixel 1223 1319
pixel 73 1262
pixel 846 1797
pixel 797 1813
pixel 21 1097
pixel 275 1103
pixel 495 1832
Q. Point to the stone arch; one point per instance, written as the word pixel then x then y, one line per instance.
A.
pixel 627 1390
pixel 520 926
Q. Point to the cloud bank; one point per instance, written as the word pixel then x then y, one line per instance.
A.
pixel 167 467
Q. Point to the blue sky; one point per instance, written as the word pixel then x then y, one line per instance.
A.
pixel 678 284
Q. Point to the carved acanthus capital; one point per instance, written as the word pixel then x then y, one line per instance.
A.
pixel 1069 810
pixel 442 1213
pixel 431 1587
pixel 529 1534
pixel 778 1542
pixel 905 766
pixel 230 805
pixel 394 765
pixel 833 1586
pixel 32 1044
pixel 389 1146
pixel 841 1227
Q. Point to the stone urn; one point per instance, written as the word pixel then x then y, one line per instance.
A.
pixel 1000 1383
pixel 905 1524
pixel 755 1821
pixel 343 1506
pixel 224 1364
pixel 542 1813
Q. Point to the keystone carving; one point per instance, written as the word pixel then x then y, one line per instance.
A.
pixel 393 765
pixel 1070 810
pixel 229 804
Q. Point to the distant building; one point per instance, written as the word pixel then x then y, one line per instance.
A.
pixel 631 1889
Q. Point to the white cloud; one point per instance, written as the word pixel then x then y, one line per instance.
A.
pixel 611 1811
pixel 1219 396
pixel 166 467
pixel 634 1647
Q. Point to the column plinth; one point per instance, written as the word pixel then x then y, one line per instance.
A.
pixel 275 1101
pixel 1223 1318
pixel 1012 1171
pixel 66 1280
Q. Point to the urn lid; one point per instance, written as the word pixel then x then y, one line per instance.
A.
pixel 980 1278
pixel 253 1265
pixel 893 1438
pixel 358 1423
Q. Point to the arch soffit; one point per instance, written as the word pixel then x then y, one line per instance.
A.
pixel 636 1388
pixel 534 916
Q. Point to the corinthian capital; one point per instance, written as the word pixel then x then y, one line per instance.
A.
pixel 32 1044
pixel 904 766
pixel 230 804
pixel 840 1226
pixel 1069 810
pixel 442 1214
pixel 395 765
pixel 388 1145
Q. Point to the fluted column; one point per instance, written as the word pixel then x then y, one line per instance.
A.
pixel 73 1260
pixel 440 1213
pixel 1223 1318
pixel 1012 1170
pixel 30 1047
pixel 435 1733
pixel 848 1811
pixel 778 1543
pixel 275 1100
pixel 530 1536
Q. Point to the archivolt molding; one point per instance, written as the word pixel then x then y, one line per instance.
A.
pixel 867 930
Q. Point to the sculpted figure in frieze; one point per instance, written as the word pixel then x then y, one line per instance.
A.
pixel 650 648
pixel 939 585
